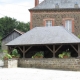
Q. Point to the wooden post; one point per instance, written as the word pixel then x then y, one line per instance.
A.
pixel 78 50
pixel 8 49
pixel 53 50
pixel 23 51
pixel 74 48
pixel 49 48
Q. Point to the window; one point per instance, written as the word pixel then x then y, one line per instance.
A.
pixel 68 25
pixel 48 23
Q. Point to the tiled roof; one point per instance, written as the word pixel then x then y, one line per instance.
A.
pixel 63 4
pixel 45 35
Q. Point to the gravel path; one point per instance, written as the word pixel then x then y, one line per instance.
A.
pixel 37 74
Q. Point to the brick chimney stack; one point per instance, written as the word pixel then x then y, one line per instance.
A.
pixel 36 2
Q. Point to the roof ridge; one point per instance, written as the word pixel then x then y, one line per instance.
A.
pixel 72 34
pixel 19 31
pixel 63 4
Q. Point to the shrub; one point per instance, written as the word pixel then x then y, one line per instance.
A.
pixel 38 55
pixel 64 55
pixel 15 53
pixel 78 36
pixel 7 56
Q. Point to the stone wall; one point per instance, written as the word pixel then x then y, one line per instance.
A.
pixel 11 63
pixel 58 16
pixel 51 63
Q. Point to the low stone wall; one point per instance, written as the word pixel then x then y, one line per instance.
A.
pixel 11 63
pixel 51 63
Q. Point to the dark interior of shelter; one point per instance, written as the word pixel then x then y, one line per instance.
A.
pixel 47 52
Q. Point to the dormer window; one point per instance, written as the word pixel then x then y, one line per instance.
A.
pixel 76 5
pixel 56 5
pixel 48 22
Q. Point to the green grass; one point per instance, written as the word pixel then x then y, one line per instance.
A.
pixel 1 51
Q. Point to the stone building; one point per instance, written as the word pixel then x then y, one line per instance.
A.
pixel 56 13
pixel 48 21
pixel 9 37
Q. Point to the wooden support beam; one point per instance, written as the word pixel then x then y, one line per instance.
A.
pixel 53 50
pixel 28 49
pixel 11 49
pixel 78 50
pixel 49 48
pixel 23 51
pixel 58 48
pixel 20 49
pixel 74 48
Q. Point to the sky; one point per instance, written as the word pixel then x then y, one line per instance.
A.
pixel 17 9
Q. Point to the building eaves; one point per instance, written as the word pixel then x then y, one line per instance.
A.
pixel 56 9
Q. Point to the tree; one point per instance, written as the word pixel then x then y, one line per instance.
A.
pixel 23 26
pixel 7 24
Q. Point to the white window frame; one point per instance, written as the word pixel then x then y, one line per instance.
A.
pixel 68 25
pixel 48 23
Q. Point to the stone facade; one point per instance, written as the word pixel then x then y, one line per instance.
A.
pixel 37 18
pixel 51 63
pixel 11 63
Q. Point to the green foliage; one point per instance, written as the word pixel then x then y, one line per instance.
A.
pixel 0 42
pixel 39 55
pixel 15 53
pixel 6 55
pixel 78 36
pixel 7 24
pixel 1 50
pixel 23 26
pixel 64 54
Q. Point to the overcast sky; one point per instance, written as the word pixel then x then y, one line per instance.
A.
pixel 17 9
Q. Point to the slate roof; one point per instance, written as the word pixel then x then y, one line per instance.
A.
pixel 63 4
pixel 45 35
pixel 15 30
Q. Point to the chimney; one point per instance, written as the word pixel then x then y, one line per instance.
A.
pixel 57 5
pixel 36 2
pixel 76 5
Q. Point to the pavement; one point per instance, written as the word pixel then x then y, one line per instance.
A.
pixel 37 74
pixel 1 63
